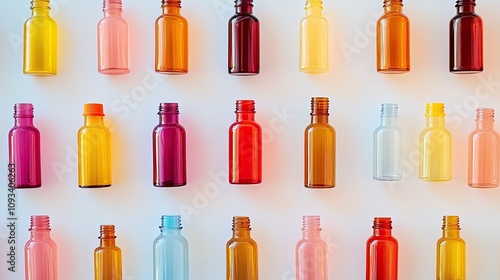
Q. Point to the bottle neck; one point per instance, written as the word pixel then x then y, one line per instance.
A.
pixel 171 6
pixel 40 7
pixel 319 119
pixel 93 120
pixel 245 116
pixel 243 6
pixel 393 7
pixel 389 120
pixel 482 124
pixel 107 236
pixel 245 110
pixel 40 227
pixel 171 225
pixel 451 226
pixel 169 118
pixel 241 227
pixel 319 109
pixel 40 234
pixel 465 6
pixel 382 226
pixel 241 233
pixel 485 118
pixel 311 228
pixel 451 233
pixel 435 121
pixel 23 121
pixel 314 7
pixel 382 232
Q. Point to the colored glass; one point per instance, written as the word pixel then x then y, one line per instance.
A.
pixel 170 251
pixel 313 39
pixel 107 257
pixel 171 40
pixel 311 251
pixel 387 147
pixel 435 146
pixel 40 41
pixel 382 252
pixel 319 147
pixel 94 149
pixel 243 40
pixel 484 151
pixel 466 39
pixel 24 148
pixel 241 252
pixel 40 252
pixel 112 40
pixel 393 39
pixel 245 146
pixel 450 260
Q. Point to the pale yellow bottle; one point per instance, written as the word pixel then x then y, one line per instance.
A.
pixel 40 41
pixel 435 146
pixel 313 39
pixel 450 259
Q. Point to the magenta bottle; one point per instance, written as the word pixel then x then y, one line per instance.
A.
pixel 169 148
pixel 24 148
pixel 311 251
pixel 40 252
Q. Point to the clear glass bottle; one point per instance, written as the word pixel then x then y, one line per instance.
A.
pixel 311 251
pixel 243 40
pixel 107 257
pixel 170 251
pixel 24 148
pixel 169 148
pixel 40 252
pixel 313 39
pixel 112 40
pixel 241 252
pixel 94 149
pixel 319 147
pixel 382 251
pixel 40 41
pixel 387 147
pixel 484 151
pixel 450 260
pixel 435 146
pixel 245 146
pixel 393 39
pixel 171 36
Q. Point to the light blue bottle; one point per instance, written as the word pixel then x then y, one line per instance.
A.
pixel 170 251
pixel 387 148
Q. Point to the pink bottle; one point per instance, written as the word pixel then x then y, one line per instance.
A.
pixel 40 252
pixel 112 40
pixel 311 251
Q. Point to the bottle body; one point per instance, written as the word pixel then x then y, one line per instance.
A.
pixel 387 147
pixel 311 252
pixel 382 252
pixel 450 260
pixel 40 252
pixel 241 252
pixel 107 257
pixel 313 51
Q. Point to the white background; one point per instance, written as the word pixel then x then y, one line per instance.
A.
pixel 206 97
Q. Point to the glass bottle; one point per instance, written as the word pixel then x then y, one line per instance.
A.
pixel 319 147
pixel 466 39
pixel 170 251
pixel 107 257
pixel 484 151
pixel 94 149
pixel 393 39
pixel 311 251
pixel 243 40
pixel 387 147
pixel 169 148
pixel 245 146
pixel 24 148
pixel 435 146
pixel 314 39
pixel 241 252
pixel 450 260
pixel 382 252
pixel 40 41
pixel 171 46
pixel 112 40
pixel 40 252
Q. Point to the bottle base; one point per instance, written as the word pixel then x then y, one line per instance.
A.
pixel 388 178
pixel 40 73
pixel 483 185
pixel 169 185
pixel 94 186
pixel 433 179
pixel 319 186
pixel 27 187
pixel 466 71
pixel 245 182
pixel 169 71
pixel 114 71
pixel 312 70
pixel 393 70
pixel 243 73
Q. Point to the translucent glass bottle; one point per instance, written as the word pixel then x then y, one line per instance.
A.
pixel 24 148
pixel 40 252
pixel 319 147
pixel 40 41
pixel 170 251
pixel 435 146
pixel 107 257
pixel 169 148
pixel 311 251
pixel 466 39
pixel 243 40
pixel 94 149
pixel 313 39
pixel 112 40
pixel 171 46
pixel 241 252
pixel 245 146
pixel 450 260
pixel 484 151
pixel 387 147
pixel 382 252
pixel 393 39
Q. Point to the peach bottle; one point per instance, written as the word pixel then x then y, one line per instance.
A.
pixel 40 252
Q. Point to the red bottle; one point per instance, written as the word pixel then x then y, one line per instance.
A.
pixel 382 252
pixel 245 146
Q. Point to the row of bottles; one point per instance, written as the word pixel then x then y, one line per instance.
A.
pixel 171 40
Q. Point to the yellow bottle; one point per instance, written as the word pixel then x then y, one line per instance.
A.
pixel 435 146
pixel 313 39
pixel 40 41
pixel 450 260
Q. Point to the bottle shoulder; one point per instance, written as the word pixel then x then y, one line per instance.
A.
pixel 470 17
pixel 175 127
pixel 112 19
pixel 319 127
pixel 450 241
pixel 314 18
pixel 241 242
pixel 484 133
pixel 382 239
pixel 40 19
pixel 243 17
pixel 93 129
pixel 311 242
pixel 388 129
pixel 171 18
pixel 441 130
pixel 19 130
pixel 245 124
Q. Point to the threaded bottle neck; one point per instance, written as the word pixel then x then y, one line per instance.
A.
pixel 168 113
pixel 171 222
pixel 40 4
pixel 435 114
pixel 393 6
pixel 39 223
pixel 23 110
pixel 112 5
pixel 314 7
pixel 389 114
pixel 107 236
pixel 319 109
pixel 382 226
pixel 464 6
pixel 485 118
pixel 243 6
pixel 171 3
pixel 245 110
pixel 241 226
pixel 451 226
pixel 311 227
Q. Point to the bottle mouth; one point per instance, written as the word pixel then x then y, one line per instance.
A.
pixel 23 110
pixel 485 114
pixel 39 222
pixel 245 106
pixel 171 3
pixel 382 223
pixel 241 222
pixel 434 110
pixel 165 108
pixel 238 3
pixel 389 2
pixel 465 2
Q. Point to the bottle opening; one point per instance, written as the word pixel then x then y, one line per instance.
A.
pixel 485 114
pixel 93 109
pixel 112 4
pixel 241 222
pixel 171 222
pixel 311 222
pixel 319 106
pixel 245 106
pixel 40 4
pixel 465 2
pixel 389 110
pixel 39 222
pixel 434 110
pixel 389 2
pixel 107 231
pixel 314 4
pixel 451 222
pixel 382 223
pixel 238 3
pixel 166 108
pixel 23 110
pixel 171 3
